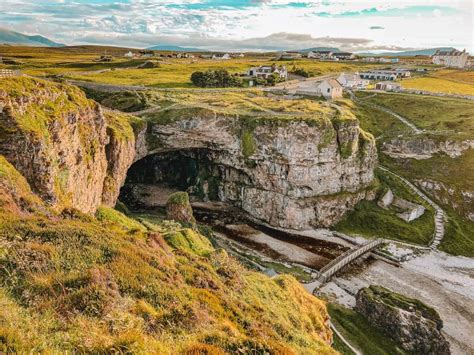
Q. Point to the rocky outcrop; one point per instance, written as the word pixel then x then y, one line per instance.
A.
pixel 179 209
pixel 63 144
pixel 291 173
pixel 424 147
pixel 462 201
pixel 409 322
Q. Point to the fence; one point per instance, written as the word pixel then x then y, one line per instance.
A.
pixel 7 73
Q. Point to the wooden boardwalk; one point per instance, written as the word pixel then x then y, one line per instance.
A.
pixel 346 258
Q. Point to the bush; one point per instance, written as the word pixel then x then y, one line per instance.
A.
pixel 219 78
pixel 301 72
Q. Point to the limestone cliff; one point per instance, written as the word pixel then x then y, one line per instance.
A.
pixel 292 173
pixel 62 143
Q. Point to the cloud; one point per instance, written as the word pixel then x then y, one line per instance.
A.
pixel 251 24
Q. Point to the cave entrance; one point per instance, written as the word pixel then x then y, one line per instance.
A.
pixel 152 179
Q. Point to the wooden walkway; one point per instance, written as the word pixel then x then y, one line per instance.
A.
pixel 346 258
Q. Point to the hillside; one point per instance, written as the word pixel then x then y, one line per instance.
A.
pixel 103 281
pixel 16 38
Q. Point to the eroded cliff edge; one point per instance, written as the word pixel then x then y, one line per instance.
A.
pixel 296 173
pixel 296 170
pixel 71 152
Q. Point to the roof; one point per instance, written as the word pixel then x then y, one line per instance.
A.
pixel 453 52
pixel 333 83
pixel 354 76
pixel 341 54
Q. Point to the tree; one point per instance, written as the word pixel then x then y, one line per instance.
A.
pixel 219 78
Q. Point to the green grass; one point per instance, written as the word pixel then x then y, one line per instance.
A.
pixel 370 220
pixel 360 333
pixel 451 118
pixel 340 346
pixel 459 236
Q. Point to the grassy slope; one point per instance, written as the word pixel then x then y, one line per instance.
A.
pixel 453 118
pixel 361 333
pixel 370 220
pixel 74 282
pixel 447 118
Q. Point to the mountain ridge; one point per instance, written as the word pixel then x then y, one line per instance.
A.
pixel 12 37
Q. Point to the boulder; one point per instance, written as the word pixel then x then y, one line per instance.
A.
pixel 179 209
pixel 408 321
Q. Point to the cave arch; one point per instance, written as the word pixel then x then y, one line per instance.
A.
pixel 152 179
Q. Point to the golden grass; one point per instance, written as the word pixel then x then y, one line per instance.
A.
pixel 444 81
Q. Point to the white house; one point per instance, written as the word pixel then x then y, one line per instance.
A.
pixel 388 86
pixel 129 55
pixel 224 56
pixel 342 56
pixel 352 81
pixel 330 89
pixel 265 71
pixel 453 58
pixel 379 75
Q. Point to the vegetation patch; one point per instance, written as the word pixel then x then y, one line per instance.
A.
pixel 361 333
pixel 370 220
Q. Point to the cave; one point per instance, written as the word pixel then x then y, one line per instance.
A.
pixel 153 178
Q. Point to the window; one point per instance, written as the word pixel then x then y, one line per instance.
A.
pixel 329 90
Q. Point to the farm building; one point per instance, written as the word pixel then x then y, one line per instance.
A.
pixel 265 71
pixel 352 81
pixel 319 54
pixel 330 89
pixel 342 56
pixel 453 58
pixel 388 86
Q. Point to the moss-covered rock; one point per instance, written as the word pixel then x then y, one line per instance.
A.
pixel 408 321
pixel 178 208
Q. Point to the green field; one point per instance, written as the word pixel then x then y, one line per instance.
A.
pixel 442 116
pixel 78 63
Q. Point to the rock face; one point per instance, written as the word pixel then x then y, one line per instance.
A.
pixel 62 143
pixel 412 324
pixel 287 173
pixel 424 147
pixel 462 201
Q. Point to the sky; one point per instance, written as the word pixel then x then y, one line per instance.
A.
pixel 235 25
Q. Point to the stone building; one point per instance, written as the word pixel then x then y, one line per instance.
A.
pixel 452 58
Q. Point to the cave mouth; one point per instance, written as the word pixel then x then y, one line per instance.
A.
pixel 153 178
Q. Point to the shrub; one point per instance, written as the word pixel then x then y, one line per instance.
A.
pixel 219 78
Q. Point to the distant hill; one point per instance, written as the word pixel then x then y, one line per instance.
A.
pixel 332 49
pixel 12 37
pixel 166 47
pixel 427 52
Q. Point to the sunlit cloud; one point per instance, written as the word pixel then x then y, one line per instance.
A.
pixel 224 24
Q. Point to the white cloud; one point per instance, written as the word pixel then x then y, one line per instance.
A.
pixel 414 23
